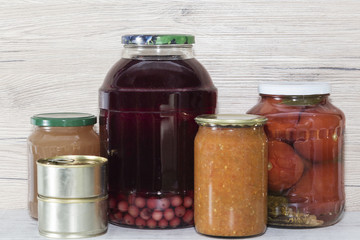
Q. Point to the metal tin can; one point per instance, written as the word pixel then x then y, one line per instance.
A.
pixel 72 196
pixel 72 218
pixel 72 176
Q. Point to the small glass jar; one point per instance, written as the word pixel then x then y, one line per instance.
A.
pixel 148 103
pixel 56 134
pixel 306 136
pixel 230 175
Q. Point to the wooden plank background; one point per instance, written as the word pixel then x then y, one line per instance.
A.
pixel 54 56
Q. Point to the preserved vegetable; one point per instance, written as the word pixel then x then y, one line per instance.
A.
pixel 230 175
pixel 306 134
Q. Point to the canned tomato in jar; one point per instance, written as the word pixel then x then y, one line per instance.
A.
pixel 230 175
pixel 72 200
pixel 306 137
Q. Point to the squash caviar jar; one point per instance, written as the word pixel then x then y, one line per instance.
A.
pixel 148 103
pixel 306 137
pixel 230 175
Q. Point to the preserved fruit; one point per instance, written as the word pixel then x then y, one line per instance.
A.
pixel 148 103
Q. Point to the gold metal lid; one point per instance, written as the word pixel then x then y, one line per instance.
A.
pixel 230 120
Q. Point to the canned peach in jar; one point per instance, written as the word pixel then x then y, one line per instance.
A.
pixel 230 175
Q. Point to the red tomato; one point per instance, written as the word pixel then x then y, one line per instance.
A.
pixel 319 137
pixel 271 105
pixel 320 189
pixel 282 118
pixel 282 126
pixel 287 166
pixel 264 107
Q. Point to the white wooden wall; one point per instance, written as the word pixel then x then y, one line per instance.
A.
pixel 54 56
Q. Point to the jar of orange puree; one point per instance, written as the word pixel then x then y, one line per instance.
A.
pixel 230 175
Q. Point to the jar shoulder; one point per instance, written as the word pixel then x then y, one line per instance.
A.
pixel 86 135
pixel 157 74
pixel 268 107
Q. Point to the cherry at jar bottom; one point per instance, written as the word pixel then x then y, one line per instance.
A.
pixel 152 210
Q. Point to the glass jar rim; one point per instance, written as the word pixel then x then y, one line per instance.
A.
pixel 158 39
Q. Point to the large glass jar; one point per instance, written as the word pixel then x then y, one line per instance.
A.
pixel 148 103
pixel 231 175
pixel 56 134
pixel 306 136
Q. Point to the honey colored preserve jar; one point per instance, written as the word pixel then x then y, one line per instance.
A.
pixel 230 175
pixel 56 134
pixel 306 136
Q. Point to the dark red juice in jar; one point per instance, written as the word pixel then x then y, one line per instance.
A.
pixel 148 103
pixel 306 165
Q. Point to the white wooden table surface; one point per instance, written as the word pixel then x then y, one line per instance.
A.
pixel 16 224
pixel 54 56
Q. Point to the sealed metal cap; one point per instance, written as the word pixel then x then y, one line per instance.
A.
pixel 294 88
pixel 157 39
pixel 72 176
pixel 63 119
pixel 230 120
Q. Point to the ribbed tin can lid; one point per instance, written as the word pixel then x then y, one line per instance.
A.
pixel 72 176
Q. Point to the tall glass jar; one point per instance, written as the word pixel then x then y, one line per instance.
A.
pixel 306 136
pixel 148 103
pixel 231 175
pixel 56 134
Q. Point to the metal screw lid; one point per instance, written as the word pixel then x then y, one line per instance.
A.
pixel 63 119
pixel 294 88
pixel 231 120
pixel 157 39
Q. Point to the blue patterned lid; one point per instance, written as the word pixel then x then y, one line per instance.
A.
pixel 157 39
